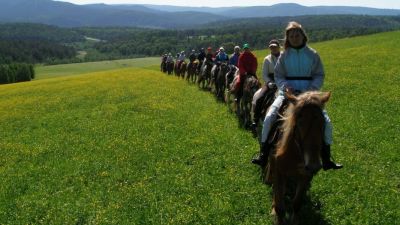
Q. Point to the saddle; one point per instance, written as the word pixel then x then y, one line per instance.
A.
pixel 276 131
pixel 267 100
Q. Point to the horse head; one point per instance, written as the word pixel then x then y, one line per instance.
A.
pixel 303 130
pixel 251 85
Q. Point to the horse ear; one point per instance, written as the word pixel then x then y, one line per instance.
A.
pixel 325 96
pixel 290 97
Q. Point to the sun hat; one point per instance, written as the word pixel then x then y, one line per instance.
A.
pixel 273 43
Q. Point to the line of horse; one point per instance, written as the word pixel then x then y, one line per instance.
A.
pixel 220 79
pixel 297 137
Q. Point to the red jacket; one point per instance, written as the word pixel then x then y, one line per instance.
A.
pixel 247 63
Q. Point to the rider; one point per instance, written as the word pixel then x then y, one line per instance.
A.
pixel 209 55
pixel 299 68
pixel 247 66
pixel 269 82
pixel 192 56
pixel 201 56
pixel 177 58
pixel 221 56
pixel 182 56
pixel 164 58
pixel 235 56
pixel 170 58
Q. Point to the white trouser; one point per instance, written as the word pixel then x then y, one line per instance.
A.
pixel 272 115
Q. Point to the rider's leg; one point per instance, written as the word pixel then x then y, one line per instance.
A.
pixel 327 163
pixel 270 118
pixel 257 103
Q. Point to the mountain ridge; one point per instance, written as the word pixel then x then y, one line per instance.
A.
pixel 66 14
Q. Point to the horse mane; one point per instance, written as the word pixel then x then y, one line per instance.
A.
pixel 311 98
pixel 251 82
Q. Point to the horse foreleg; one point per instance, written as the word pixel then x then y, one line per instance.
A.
pixel 303 183
pixel 278 204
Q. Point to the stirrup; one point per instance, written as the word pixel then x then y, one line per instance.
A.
pixel 331 165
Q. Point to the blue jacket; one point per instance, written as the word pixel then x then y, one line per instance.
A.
pixel 234 59
pixel 300 69
pixel 222 57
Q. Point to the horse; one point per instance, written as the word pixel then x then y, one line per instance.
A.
pixel 182 69
pixel 192 71
pixel 250 86
pixel 220 82
pixel 262 100
pixel 231 76
pixel 297 153
pixel 177 68
pixel 163 66
pixel 205 75
pixel 213 77
pixel 170 67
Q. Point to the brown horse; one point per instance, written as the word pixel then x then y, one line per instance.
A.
pixel 192 71
pixel 182 69
pixel 220 81
pixel 170 67
pixel 230 79
pixel 177 68
pixel 250 86
pixel 205 74
pixel 163 66
pixel 297 154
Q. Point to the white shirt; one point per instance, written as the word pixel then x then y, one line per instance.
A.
pixel 268 67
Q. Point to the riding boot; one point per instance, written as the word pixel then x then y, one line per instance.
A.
pixel 253 128
pixel 262 158
pixel 327 163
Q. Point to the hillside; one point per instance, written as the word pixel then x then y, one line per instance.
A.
pixel 38 43
pixel 70 15
pixel 100 15
pixel 282 9
pixel 134 146
pixel 290 9
pixel 255 31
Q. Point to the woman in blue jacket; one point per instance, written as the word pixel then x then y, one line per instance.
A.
pixel 298 69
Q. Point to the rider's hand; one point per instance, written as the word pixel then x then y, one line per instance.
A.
pixel 289 90
pixel 271 85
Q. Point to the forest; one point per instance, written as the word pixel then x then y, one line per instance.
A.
pixel 16 72
pixel 44 44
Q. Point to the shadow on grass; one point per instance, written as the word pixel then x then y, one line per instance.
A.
pixel 310 212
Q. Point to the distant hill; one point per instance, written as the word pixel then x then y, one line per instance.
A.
pixel 128 42
pixel 284 9
pixel 100 15
pixel 290 9
pixel 155 16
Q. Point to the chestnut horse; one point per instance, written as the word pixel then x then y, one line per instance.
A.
pixel 250 86
pixel 170 67
pixel 182 69
pixel 192 71
pixel 297 154
pixel 220 81
pixel 203 80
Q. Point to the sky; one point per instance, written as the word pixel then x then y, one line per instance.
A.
pixel 388 4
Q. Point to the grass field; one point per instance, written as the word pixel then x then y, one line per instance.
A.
pixel 44 72
pixel 134 146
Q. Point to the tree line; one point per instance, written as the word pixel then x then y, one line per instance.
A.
pixel 36 43
pixel 255 31
pixel 16 72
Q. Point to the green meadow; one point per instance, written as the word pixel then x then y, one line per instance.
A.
pixel 130 145
pixel 44 72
